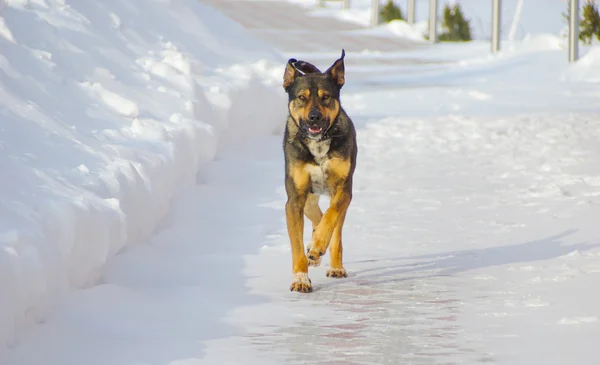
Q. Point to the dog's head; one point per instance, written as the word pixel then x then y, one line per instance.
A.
pixel 314 96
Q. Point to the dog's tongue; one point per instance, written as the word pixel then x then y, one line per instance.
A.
pixel 314 129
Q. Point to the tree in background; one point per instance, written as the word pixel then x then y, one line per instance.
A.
pixel 389 12
pixel 457 27
pixel 589 24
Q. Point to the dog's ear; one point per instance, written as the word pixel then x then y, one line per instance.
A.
pixel 306 68
pixel 290 74
pixel 337 71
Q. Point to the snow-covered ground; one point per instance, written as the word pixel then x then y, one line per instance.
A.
pixel 106 110
pixel 471 238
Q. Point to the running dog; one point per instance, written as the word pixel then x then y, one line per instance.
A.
pixel 320 152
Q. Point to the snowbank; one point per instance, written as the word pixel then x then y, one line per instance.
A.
pixel 405 30
pixel 587 68
pixel 106 109
pixel 398 28
pixel 542 42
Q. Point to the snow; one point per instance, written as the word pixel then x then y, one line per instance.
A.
pixel 107 110
pixel 587 69
pixel 403 29
pixel 397 28
pixel 155 188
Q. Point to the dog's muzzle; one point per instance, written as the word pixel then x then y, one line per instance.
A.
pixel 315 125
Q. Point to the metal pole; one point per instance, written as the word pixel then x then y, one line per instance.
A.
pixel 433 21
pixel 374 12
pixel 346 4
pixel 574 31
pixel 496 6
pixel 410 18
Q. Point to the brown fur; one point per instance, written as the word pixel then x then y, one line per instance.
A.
pixel 317 164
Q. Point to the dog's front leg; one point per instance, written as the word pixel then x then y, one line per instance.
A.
pixel 339 182
pixel 333 217
pixel 297 191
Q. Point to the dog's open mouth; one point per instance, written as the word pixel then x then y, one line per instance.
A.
pixel 315 130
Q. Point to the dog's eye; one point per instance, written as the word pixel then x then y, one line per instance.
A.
pixel 325 97
pixel 302 97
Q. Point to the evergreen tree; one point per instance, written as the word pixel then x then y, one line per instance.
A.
pixel 457 27
pixel 389 12
pixel 590 22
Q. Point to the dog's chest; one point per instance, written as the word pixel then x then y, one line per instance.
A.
pixel 318 171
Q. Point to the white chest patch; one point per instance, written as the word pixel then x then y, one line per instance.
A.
pixel 319 150
pixel 318 175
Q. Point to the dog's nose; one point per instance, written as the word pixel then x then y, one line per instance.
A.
pixel 314 116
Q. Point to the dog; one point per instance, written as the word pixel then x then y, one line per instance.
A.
pixel 320 151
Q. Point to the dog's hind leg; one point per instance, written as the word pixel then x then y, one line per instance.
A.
pixel 312 210
pixel 314 214
pixel 335 251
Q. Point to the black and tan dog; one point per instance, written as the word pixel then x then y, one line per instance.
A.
pixel 320 157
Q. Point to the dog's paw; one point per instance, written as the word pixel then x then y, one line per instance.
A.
pixel 314 262
pixel 301 283
pixel 337 273
pixel 314 259
pixel 313 254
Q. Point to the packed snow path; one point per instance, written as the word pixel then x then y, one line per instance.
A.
pixel 289 27
pixel 472 238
